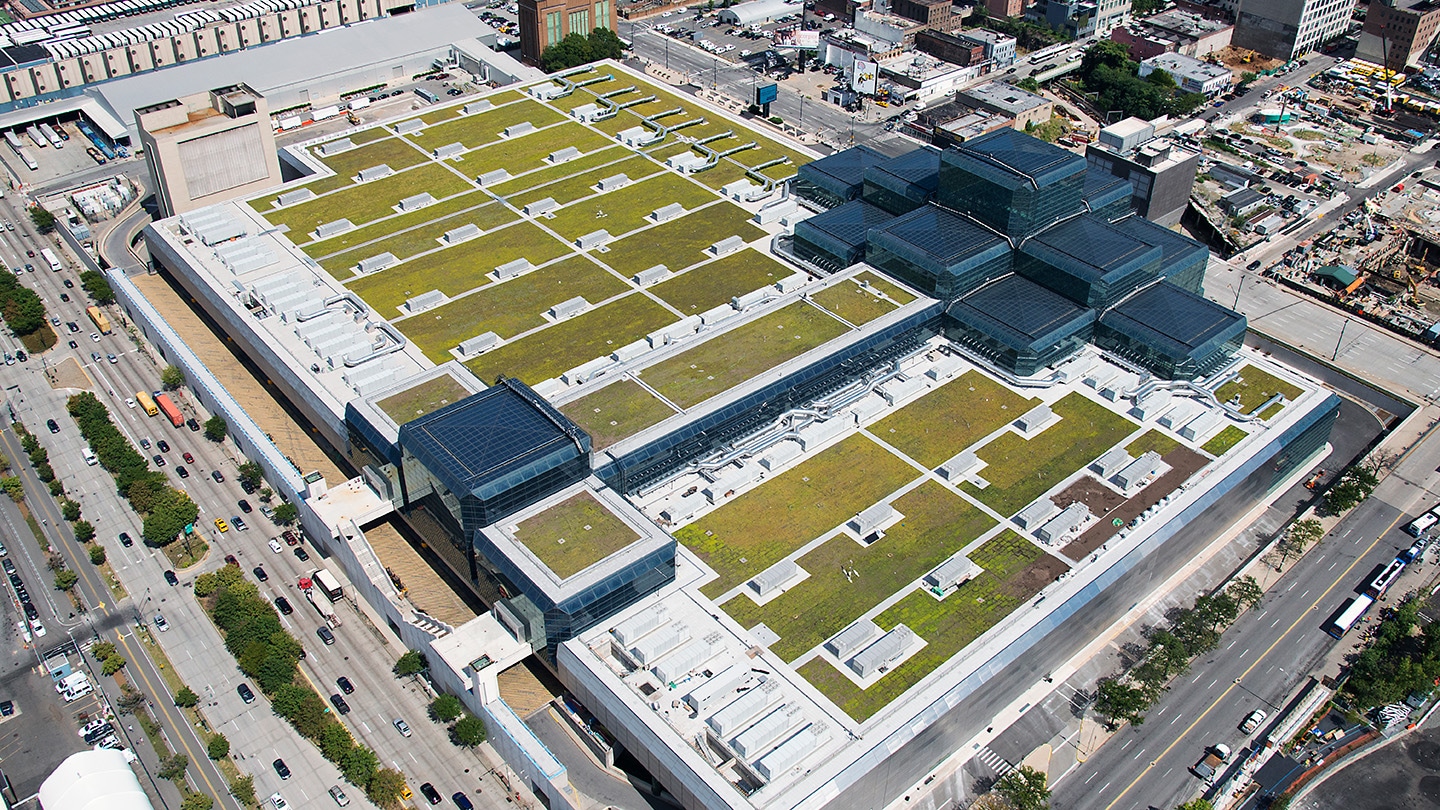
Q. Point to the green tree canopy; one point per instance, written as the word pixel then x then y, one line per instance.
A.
pixel 385 786
pixel 469 731
pixel 446 708
pixel 1025 788
pixel 44 220
pixel 171 377
pixel 186 698
pixel 577 49
pixel 215 428
pixel 411 663
pixel 218 747
pixel 97 287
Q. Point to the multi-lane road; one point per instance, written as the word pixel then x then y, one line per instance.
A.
pixel 362 652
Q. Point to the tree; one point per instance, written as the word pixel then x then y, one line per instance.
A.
pixel 411 663
pixel 173 768
pixel 13 487
pixel 44 220
pixel 97 554
pixel 101 650
pixel 1246 592
pixel 251 473
pixel 569 52
pixel 359 765
pixel 243 789
pixel 112 665
pixel 215 428
pixel 469 731
pixel 197 801
pixel 23 310
pixel 334 741
pixel 286 513
pixel 1025 789
pixel 446 708
pixel 1161 79
pixel 266 494
pixel 85 532
pixel 1120 702
pixel 384 787
pixel 65 580
pixel 171 377
pixel 1353 487
pixel 1195 804
pixel 131 699
pixel 1028 83
pixel 70 510
pixel 605 44
pixel 218 747
pixel 186 698
pixel 95 286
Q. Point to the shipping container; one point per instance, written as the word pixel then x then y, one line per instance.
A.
pixel 171 412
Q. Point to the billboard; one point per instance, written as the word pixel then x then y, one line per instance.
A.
pixel 865 77
pixel 766 93
pixel 809 40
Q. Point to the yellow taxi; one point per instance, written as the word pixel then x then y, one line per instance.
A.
pixel 221 525
pixel 406 794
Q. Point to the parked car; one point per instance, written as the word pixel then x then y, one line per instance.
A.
pixel 1252 721
pixel 301 554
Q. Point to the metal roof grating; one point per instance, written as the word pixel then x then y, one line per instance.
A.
pixel 847 166
pixel 920 167
pixel 1175 245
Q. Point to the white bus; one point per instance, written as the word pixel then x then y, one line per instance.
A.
pixel 1422 524
pixel 51 259
pixel 1348 614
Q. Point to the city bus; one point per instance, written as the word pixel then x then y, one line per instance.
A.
pixel 1348 614
pixel 151 409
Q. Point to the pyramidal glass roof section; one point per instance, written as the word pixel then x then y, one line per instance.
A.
pixel 1102 190
pixel 1092 250
pixel 1175 247
pixel 1019 310
pixel 942 237
pixel 482 440
pixel 849 223
pixel 847 167
pixel 1025 155
pixel 919 168
pixel 1164 315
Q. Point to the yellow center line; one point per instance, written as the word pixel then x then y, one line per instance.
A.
pixel 1302 617
pixel 47 505
pixel 161 694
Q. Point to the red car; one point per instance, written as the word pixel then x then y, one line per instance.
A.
pixel 230 560
pixel 189 459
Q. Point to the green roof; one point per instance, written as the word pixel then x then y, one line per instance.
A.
pixel 1339 273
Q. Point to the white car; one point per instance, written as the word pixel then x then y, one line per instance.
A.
pixel 275 546
pixel 94 337
pixel 279 802
pixel 1252 721
pixel 129 402
pixel 160 623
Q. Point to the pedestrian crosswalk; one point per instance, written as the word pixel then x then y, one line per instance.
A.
pixel 994 762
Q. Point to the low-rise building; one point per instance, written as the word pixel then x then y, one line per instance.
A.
pixel 1023 106
pixel 925 78
pixel 999 48
pixel 1173 31
pixel 1193 75
pixel 936 15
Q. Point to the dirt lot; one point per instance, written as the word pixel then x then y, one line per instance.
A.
pixel 1092 493
pixel 1036 575
pixel 1183 464
pixel 68 374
